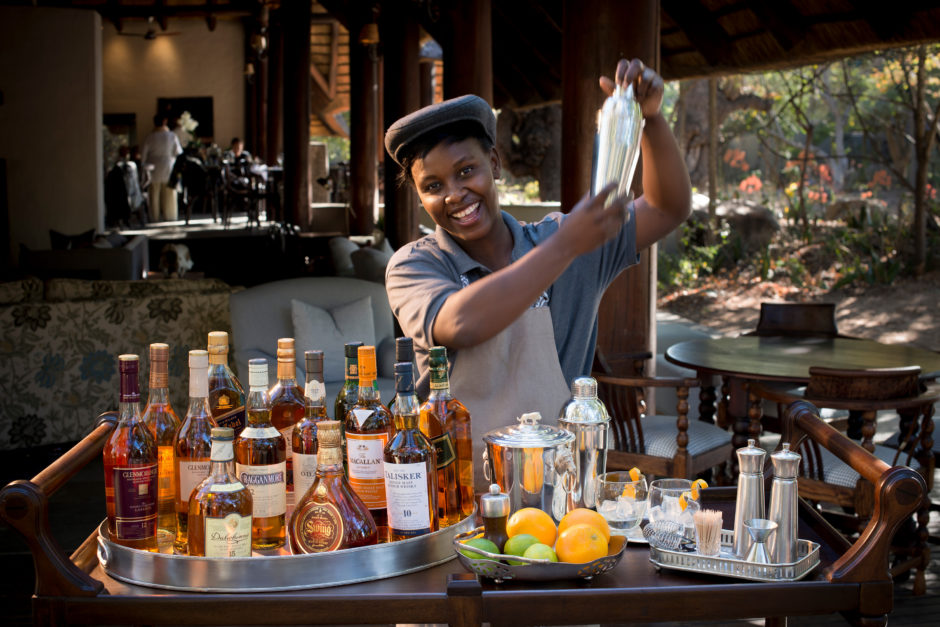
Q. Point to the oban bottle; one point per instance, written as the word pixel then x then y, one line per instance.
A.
pixel 330 516
pixel 220 510
pixel 404 353
pixel 368 429
pixel 226 395
pixel 304 437
pixel 446 422
pixel 261 463
pixel 287 399
pixel 410 470
pixel 130 469
pixel 349 393
pixel 193 444
pixel 163 423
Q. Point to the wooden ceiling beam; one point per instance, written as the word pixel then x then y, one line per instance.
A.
pixel 784 23
pixel 707 35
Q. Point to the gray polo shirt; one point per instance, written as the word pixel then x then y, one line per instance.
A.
pixel 421 275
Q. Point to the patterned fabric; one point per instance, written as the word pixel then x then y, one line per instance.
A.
pixel 58 356
pixel 26 291
pixel 659 434
pixel 837 472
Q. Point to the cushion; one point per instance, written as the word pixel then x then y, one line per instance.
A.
pixel 837 472
pixel 61 241
pixel 341 250
pixel 318 329
pixel 25 291
pixel 659 434
pixel 370 263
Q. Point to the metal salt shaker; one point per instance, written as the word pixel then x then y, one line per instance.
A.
pixel 750 500
pixel 783 505
pixel 585 416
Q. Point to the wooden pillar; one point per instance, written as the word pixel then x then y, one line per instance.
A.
pixel 426 80
pixel 468 50
pixel 597 34
pixel 364 117
pixel 275 86
pixel 400 41
pixel 260 147
pixel 296 20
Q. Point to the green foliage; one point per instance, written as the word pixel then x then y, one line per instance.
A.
pixel 692 263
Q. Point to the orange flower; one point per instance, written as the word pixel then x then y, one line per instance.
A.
pixel 880 177
pixel 751 185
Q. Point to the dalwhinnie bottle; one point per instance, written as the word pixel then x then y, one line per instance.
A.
pixel 163 423
pixel 304 444
pixel 287 399
pixel 261 463
pixel 220 510
pixel 226 395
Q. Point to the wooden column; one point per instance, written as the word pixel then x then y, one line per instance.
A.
pixel 400 41
pixel 364 116
pixel 296 20
pixel 597 34
pixel 468 50
pixel 275 142
pixel 426 78
pixel 261 108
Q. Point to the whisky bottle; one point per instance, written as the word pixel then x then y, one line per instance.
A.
pixel 410 469
pixel 163 423
pixel 349 393
pixel 261 463
pixel 220 510
pixel 287 400
pixel 446 422
pixel 368 429
pixel 404 353
pixel 193 446
pixel 304 436
pixel 130 469
pixel 330 516
pixel 226 395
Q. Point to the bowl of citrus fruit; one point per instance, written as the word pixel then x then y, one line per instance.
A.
pixel 580 546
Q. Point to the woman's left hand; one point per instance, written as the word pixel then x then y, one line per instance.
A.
pixel 647 85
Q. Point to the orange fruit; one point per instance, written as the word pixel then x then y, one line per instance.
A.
pixel 635 474
pixel 584 516
pixel 533 521
pixel 698 484
pixel 684 499
pixel 580 543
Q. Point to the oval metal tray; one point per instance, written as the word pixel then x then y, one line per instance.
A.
pixel 269 573
pixel 490 565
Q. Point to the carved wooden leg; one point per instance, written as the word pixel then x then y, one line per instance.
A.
pixel 868 430
pixel 754 413
pixel 681 468
pixel 723 404
pixel 706 406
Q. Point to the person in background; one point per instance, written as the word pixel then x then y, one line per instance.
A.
pixel 158 154
pixel 237 152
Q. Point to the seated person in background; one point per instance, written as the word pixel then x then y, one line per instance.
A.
pixel 237 152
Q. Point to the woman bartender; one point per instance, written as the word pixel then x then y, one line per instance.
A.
pixel 516 304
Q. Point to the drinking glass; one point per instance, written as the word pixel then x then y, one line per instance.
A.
pixel 665 503
pixel 621 501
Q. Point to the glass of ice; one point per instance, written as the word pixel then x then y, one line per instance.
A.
pixel 671 499
pixel 621 500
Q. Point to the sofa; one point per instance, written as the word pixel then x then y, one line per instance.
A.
pixel 59 342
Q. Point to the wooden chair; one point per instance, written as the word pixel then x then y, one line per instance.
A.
pixel 826 479
pixel 813 319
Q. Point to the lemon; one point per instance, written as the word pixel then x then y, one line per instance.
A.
pixel 517 545
pixel 480 543
pixel 539 551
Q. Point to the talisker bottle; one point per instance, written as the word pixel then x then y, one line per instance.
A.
pixel 287 400
pixel 130 469
pixel 304 444
pixel 163 423
pixel 226 395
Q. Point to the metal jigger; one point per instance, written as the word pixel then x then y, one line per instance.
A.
pixel 617 143
pixel 760 530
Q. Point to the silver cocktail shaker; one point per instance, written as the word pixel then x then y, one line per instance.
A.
pixel 783 505
pixel 617 142
pixel 750 501
pixel 586 417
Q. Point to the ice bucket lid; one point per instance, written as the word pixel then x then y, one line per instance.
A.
pixel 529 433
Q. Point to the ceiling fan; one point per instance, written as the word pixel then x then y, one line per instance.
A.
pixel 152 32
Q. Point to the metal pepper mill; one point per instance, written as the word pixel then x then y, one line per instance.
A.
pixel 750 501
pixel 784 494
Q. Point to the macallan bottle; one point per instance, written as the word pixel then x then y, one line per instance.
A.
pixel 261 463
pixel 304 436
pixel 226 395
pixel 163 423
pixel 330 516
pixel 220 510
pixel 130 469
pixel 404 353
pixel 446 422
pixel 368 429
pixel 349 393
pixel 410 469
pixel 287 399
pixel 193 444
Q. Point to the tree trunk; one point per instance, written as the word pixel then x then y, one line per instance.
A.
pixel 712 161
pixel 922 141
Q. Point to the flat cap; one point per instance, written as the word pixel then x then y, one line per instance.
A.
pixel 409 128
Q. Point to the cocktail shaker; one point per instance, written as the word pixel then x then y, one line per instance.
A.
pixel 750 500
pixel 617 143
pixel 585 416
pixel 784 494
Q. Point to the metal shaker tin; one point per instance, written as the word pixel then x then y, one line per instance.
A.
pixel 617 142
pixel 529 461
pixel 586 417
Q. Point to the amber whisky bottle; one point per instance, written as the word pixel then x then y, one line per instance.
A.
pixel 404 353
pixel 287 399
pixel 130 469
pixel 163 423
pixel 226 395
pixel 330 515
pixel 304 437
pixel 349 393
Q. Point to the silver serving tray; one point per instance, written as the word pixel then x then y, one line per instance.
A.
pixel 269 573
pixel 726 564
pixel 490 565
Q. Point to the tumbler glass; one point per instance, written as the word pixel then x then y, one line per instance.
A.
pixel 621 500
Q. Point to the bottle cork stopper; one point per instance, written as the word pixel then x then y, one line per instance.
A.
pixel 159 358
pixel 328 433
pixel 159 352
pixel 367 363
pixel 285 349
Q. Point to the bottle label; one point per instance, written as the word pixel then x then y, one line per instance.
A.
pixel 135 502
pixel 260 433
pixel 268 487
pixel 305 471
pixel 319 528
pixel 288 433
pixel 315 390
pixel 408 500
pixel 352 369
pixel 362 415
pixel 229 536
pixel 191 472
pixel 365 457
pixel 439 379
pixel 446 453
pixel 234 418
pixel 166 469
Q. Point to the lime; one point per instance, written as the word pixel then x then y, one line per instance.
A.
pixel 540 552
pixel 517 545
pixel 480 543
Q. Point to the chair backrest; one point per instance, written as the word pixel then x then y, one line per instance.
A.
pixel 797 319
pixel 625 405
pixel 872 385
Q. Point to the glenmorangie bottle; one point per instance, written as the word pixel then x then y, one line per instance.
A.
pixel 304 443
pixel 226 395
pixel 287 399
pixel 163 423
